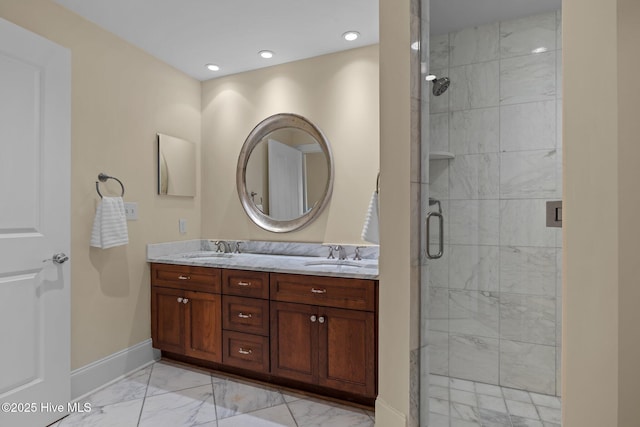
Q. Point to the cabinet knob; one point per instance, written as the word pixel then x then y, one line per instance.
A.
pixel 313 318
pixel 321 319
pixel 243 351
pixel 186 300
pixel 244 316
pixel 183 277
pixel 179 299
pixel 318 291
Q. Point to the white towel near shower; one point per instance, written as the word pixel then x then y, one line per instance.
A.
pixel 110 224
pixel 370 232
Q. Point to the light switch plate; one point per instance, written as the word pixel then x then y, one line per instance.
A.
pixel 131 211
pixel 182 225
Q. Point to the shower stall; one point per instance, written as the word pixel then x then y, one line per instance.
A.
pixel 491 267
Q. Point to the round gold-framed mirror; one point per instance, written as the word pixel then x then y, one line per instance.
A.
pixel 285 173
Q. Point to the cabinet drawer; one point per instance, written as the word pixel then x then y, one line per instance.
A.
pixel 253 284
pixel 245 351
pixel 247 315
pixel 186 277
pixel 356 294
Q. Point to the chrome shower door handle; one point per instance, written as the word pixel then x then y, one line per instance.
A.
pixel 428 235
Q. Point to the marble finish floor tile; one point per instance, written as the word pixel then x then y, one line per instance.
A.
pixel 168 395
pixel 456 402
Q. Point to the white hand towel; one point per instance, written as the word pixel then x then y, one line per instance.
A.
pixel 110 224
pixel 370 230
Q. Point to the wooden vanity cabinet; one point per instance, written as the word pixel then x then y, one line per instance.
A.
pixel 329 344
pixel 186 319
pixel 308 332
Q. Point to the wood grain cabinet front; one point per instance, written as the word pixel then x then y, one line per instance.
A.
pixel 185 320
pixel 247 315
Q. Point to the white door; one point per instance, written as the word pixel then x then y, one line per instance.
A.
pixel 35 90
pixel 286 186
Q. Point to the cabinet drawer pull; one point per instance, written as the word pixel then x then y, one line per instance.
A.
pixel 243 351
pixel 179 299
pixel 244 316
pixel 183 277
pixel 318 291
pixel 244 283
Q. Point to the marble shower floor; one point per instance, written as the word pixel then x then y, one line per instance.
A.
pixel 165 394
pixel 460 403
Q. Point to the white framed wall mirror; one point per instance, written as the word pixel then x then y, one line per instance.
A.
pixel 176 166
pixel 285 173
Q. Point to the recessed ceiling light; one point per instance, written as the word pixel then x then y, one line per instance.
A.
pixel 266 54
pixel 213 67
pixel 539 50
pixel 351 35
pixel 430 77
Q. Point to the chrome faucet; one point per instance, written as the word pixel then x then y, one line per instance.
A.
pixel 356 255
pixel 237 247
pixel 342 253
pixel 223 247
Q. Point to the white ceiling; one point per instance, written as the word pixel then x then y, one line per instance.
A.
pixel 188 34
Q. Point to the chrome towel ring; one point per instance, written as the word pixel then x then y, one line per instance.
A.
pixel 102 177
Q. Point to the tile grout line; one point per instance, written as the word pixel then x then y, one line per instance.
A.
pixel 213 396
pixel 146 390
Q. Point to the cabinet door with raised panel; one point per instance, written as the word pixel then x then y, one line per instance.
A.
pixel 167 319
pixel 347 350
pixel 294 341
pixel 203 326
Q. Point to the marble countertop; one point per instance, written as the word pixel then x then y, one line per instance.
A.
pixel 309 265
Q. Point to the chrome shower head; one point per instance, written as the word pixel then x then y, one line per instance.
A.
pixel 440 85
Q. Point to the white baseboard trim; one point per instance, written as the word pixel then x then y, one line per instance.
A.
pixel 388 416
pixel 111 368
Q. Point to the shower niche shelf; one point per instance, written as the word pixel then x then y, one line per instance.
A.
pixel 441 155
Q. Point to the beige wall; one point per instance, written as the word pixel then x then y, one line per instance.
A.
pixel 120 98
pixel 392 405
pixel 339 93
pixel 601 155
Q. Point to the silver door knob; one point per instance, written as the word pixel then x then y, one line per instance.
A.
pixel 186 300
pixel 60 258
pixel 321 319
pixel 179 299
pixel 313 318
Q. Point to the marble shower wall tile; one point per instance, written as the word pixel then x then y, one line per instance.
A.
pixel 439 179
pixel 528 318
pixel 528 366
pixel 439 132
pixel 474 176
pixel 528 270
pixel 439 52
pixel 474 358
pixel 474 222
pixel 515 213
pixel 439 352
pixel 474 131
pixel 559 74
pixel 475 268
pixel 523 36
pixel 530 126
pixel 475 85
pixel 528 174
pixel 474 313
pixel 438 309
pixel 528 78
pixel 559 29
pixel 476 44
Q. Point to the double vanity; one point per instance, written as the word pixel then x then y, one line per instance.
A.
pixel 277 312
